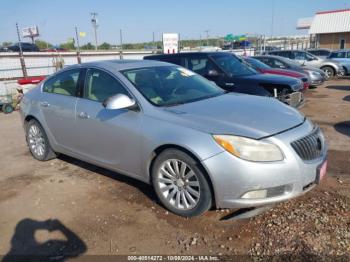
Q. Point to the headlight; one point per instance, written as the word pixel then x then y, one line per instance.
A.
pixel 313 73
pixel 249 149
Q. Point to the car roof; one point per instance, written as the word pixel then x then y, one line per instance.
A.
pixel 119 65
pixel 341 50
pixel 190 54
pixel 269 56
pixel 318 49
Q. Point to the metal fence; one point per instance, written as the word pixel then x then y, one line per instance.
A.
pixel 41 64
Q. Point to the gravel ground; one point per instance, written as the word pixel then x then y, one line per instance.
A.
pixel 69 208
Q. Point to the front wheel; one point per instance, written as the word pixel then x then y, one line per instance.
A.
pixel 38 142
pixel 329 72
pixel 180 184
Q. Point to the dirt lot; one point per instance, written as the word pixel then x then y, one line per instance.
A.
pixel 67 208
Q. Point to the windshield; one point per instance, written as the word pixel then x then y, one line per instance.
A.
pixel 257 64
pixel 171 85
pixel 232 65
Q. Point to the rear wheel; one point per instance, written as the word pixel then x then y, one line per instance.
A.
pixel 329 71
pixel 38 142
pixel 180 184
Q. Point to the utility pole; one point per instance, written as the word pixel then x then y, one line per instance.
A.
pixel 78 46
pixel 207 33
pixel 154 46
pixel 94 25
pixel 21 58
pixel 272 17
pixel 121 43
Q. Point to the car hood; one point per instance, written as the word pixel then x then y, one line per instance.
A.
pixel 311 68
pixel 284 72
pixel 271 79
pixel 236 114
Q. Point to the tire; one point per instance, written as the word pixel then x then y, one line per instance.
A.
pixel 38 142
pixel 329 71
pixel 186 197
pixel 7 108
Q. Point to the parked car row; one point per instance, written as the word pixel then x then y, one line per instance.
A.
pixel 329 66
pixel 230 73
pixel 29 47
pixel 197 144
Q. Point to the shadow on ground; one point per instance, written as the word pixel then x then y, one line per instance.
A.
pixel 25 247
pixel 343 127
pixel 347 98
pixel 342 88
pixel 143 187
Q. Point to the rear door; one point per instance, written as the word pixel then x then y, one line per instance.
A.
pixel 58 101
pixel 110 138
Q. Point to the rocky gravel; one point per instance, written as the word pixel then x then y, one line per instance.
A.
pixel 317 226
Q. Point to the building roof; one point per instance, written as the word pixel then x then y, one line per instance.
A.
pixel 335 21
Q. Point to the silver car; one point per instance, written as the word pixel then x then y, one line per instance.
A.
pixel 167 126
pixel 330 67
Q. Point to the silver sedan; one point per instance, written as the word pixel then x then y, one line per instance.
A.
pixel 162 124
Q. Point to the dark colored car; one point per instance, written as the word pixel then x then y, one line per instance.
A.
pixel 232 74
pixel 55 49
pixel 320 52
pixel 316 76
pixel 26 47
pixel 265 69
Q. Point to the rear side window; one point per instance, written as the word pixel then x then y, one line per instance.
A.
pixel 338 55
pixel 100 85
pixel 64 83
pixel 200 65
pixel 279 64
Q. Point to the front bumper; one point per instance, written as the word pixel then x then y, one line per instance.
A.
pixel 233 177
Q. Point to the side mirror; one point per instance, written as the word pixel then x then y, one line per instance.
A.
pixel 119 101
pixel 213 73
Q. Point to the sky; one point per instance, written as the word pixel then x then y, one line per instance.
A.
pixel 138 19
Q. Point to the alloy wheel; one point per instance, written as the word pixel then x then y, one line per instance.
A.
pixel 36 141
pixel 178 184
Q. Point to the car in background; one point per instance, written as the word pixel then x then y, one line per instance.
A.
pixel 316 76
pixel 330 67
pixel 265 69
pixel 343 57
pixel 26 47
pixel 55 49
pixel 320 52
pixel 232 74
pixel 198 146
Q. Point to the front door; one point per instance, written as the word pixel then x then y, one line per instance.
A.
pixel 110 138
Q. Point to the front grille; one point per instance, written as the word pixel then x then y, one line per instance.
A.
pixel 309 147
pixel 294 99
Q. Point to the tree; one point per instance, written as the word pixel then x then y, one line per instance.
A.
pixel 69 45
pixel 87 46
pixel 105 46
pixel 42 44
pixel 6 43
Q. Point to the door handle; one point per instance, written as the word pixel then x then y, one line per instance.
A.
pixel 44 104
pixel 83 115
pixel 229 84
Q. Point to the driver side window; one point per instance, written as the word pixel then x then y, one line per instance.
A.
pixel 299 56
pixel 100 85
